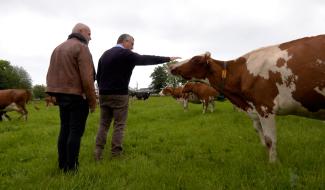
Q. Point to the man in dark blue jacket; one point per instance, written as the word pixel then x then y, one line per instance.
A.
pixel 113 76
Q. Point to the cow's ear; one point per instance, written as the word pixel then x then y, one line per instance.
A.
pixel 207 55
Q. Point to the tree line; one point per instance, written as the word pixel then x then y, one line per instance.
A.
pixel 17 77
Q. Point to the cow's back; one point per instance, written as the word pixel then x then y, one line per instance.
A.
pixel 289 77
pixel 178 92
pixel 308 65
pixel 200 89
pixel 205 90
pixel 18 96
pixel 6 98
pixel 21 95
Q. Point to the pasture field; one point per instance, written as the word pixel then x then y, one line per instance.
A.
pixel 166 148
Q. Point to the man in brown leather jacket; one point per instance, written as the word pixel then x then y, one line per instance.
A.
pixel 70 78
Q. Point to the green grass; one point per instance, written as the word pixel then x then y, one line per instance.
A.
pixel 166 148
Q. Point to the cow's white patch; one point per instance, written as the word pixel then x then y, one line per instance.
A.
pixel 284 102
pixel 11 107
pixel 179 63
pixel 161 93
pixel 252 112
pixel 322 92
pixel 318 61
pixel 262 61
pixel 264 109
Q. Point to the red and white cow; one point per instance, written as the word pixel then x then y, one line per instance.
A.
pixel 14 100
pixel 177 93
pixel 50 101
pixel 284 79
pixel 171 91
pixel 205 93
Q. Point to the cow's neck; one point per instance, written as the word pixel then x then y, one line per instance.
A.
pixel 225 76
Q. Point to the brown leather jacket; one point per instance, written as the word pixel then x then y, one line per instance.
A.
pixel 71 71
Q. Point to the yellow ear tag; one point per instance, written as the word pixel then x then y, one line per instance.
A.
pixel 224 73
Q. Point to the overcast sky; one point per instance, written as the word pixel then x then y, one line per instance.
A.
pixel 31 29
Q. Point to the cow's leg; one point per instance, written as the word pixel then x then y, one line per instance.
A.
pixel 22 114
pixel 7 116
pixel 258 127
pixel 185 104
pixel 212 105
pixel 269 129
pixel 203 108
pixel 12 107
pixel 204 105
pixel 23 111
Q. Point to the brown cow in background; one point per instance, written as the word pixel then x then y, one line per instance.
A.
pixel 171 91
pixel 195 92
pixel 177 93
pixel 205 93
pixel 14 100
pixel 50 101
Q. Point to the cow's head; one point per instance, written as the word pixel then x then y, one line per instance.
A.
pixel 166 91
pixel 194 68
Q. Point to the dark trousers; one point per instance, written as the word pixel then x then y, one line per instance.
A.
pixel 73 115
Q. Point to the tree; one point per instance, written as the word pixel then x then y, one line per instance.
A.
pixel 159 77
pixel 39 91
pixel 174 81
pixel 13 76
pixel 23 79
pixel 162 78
pixel 7 74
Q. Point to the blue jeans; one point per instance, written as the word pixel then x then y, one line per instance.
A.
pixel 73 115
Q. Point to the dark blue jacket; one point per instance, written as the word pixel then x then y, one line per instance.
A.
pixel 115 69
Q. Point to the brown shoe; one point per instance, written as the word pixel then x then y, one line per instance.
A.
pixel 117 155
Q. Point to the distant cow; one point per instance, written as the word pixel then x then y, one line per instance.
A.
pixel 140 95
pixel 15 100
pixel 205 93
pixel 50 101
pixel 284 79
pixel 177 93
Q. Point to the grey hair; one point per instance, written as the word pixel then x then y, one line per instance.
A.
pixel 124 37
pixel 79 27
